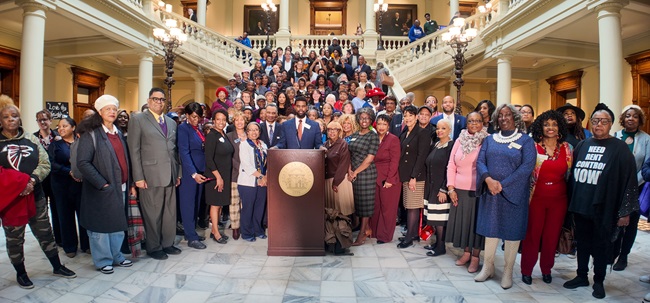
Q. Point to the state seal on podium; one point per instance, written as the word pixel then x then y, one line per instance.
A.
pixel 296 179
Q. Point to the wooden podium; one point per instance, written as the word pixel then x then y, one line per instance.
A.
pixel 296 202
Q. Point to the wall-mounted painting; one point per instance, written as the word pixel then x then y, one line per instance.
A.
pixel 398 19
pixel 255 20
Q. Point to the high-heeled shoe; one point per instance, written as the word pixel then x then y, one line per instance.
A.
pixel 361 239
pixel 235 234
pixel 473 265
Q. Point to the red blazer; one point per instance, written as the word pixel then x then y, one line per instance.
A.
pixel 387 160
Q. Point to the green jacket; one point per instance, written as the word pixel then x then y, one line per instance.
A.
pixel 430 27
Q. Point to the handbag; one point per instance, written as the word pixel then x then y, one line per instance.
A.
pixel 644 200
pixel 565 244
pixel 426 232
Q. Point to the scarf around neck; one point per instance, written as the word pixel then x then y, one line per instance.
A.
pixel 469 142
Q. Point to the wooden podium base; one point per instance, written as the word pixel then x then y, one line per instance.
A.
pixel 296 202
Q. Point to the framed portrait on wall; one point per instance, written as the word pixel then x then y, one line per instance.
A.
pixel 255 20
pixel 398 19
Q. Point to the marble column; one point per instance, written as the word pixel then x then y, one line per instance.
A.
pixel 504 79
pixel 145 77
pixel 370 17
pixel 31 61
pixel 202 10
pixel 283 26
pixel 283 36
pixel 199 87
pixel 453 8
pixel 611 53
pixel 370 36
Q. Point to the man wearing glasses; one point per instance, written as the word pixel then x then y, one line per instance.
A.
pixel 156 171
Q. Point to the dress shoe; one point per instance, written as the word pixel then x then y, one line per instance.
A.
pixel 647 297
pixel 196 244
pixel 599 290
pixel 24 281
pixel 547 278
pixel 235 234
pixel 221 240
pixel 403 244
pixel 527 279
pixel 380 242
pixel 645 279
pixel 578 281
pixel 201 238
pixel 262 236
pixel 158 255
pixel 251 239
pixel 402 239
pixel 430 247
pixel 222 237
pixel 620 264
pixel 71 254
pixel 172 250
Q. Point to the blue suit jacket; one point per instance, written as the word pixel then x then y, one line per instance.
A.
pixel 190 150
pixel 460 123
pixel 311 135
pixel 396 125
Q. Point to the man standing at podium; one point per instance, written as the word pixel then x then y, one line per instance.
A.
pixel 300 132
pixel 271 131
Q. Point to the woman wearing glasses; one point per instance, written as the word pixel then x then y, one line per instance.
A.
pixel 363 172
pixel 338 189
pixel 603 195
pixel 503 169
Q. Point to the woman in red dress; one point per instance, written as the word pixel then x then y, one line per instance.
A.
pixel 382 222
pixel 548 203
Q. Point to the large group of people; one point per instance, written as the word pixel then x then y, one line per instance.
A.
pixel 496 174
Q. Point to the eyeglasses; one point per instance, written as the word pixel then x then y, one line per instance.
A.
pixel 474 121
pixel 364 119
pixel 603 121
pixel 159 100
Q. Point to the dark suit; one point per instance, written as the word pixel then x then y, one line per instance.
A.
pixel 414 152
pixel 193 17
pixel 460 123
pixel 154 159
pixel 364 68
pixel 311 135
pixel 277 134
pixel 396 125
pixel 192 155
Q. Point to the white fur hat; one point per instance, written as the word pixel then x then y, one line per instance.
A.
pixel 105 100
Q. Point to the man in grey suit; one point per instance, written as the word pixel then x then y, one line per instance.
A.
pixel 156 171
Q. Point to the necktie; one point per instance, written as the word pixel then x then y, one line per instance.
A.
pixel 300 129
pixel 271 133
pixel 163 126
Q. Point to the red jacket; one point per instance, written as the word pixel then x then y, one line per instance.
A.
pixel 15 210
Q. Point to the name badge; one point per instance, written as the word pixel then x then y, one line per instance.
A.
pixel 307 126
pixel 353 139
pixel 541 159
pixel 514 145
pixel 237 140
pixel 222 140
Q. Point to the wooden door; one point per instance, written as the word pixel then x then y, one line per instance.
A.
pixel 640 64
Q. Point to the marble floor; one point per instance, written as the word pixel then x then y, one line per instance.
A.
pixel 242 272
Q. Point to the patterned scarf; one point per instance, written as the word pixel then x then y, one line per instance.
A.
pixel 260 156
pixel 469 142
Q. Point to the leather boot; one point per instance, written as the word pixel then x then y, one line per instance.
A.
pixel 463 259
pixel 473 265
pixel 235 234
pixel 488 263
pixel 509 256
